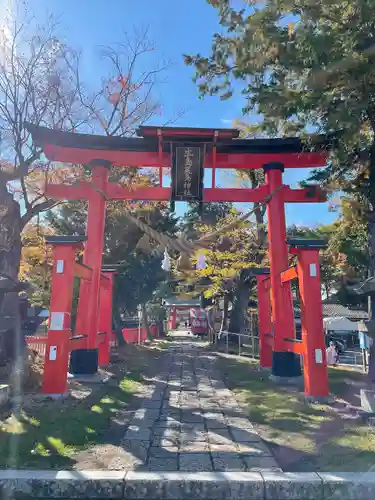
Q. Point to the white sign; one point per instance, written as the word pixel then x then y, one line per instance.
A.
pixel 318 356
pixel 313 271
pixel 53 353
pixel 60 266
pixel 57 321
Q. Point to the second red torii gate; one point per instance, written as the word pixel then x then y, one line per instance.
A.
pixel 152 149
pixel 312 344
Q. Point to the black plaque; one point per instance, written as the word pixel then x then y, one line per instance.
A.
pixel 187 172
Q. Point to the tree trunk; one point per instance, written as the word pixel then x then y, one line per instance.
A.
pixel 11 339
pixel 371 241
pixel 146 326
pixel 327 290
pixel 240 304
pixel 118 327
pixel 224 320
pixel 211 324
pixel 242 293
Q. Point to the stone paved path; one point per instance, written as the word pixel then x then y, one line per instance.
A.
pixel 189 421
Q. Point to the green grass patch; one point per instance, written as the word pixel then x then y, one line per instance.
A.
pixel 341 378
pixel 308 436
pixel 351 451
pixel 51 433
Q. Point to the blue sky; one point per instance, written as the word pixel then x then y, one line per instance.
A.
pixel 176 27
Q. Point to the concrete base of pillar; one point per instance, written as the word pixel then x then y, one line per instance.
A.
pixel 318 399
pixel 266 369
pixel 286 365
pixel 96 378
pixel 84 362
pixel 295 381
pixel 56 397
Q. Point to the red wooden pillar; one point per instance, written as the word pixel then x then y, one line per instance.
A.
pixel 173 318
pixel 88 306
pixel 105 319
pixel 55 377
pixel 264 322
pixel 315 365
pixel 284 364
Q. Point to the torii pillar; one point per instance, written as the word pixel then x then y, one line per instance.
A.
pixel 284 364
pixel 87 322
pixel 105 315
pixel 264 320
pixel 88 304
pixel 173 318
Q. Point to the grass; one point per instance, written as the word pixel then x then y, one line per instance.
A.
pixel 53 433
pixel 304 436
pixel 50 434
pixel 351 451
pixel 341 378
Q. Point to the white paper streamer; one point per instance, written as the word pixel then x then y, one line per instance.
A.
pixel 201 261
pixel 166 264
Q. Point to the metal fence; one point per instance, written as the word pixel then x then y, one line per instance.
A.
pixel 351 357
pixel 240 344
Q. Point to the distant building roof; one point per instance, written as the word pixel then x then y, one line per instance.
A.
pixel 330 310
pixel 182 303
pixel 338 310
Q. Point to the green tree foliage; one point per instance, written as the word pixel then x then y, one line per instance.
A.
pixel 279 66
pixel 209 214
pixel 344 262
pixel 140 274
pixel 226 260
pixel 305 65
pixel 35 266
pixel 349 237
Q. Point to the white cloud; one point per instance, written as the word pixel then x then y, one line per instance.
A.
pixel 225 121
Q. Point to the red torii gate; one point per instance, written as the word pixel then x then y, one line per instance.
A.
pixel 312 344
pixel 60 341
pixel 152 148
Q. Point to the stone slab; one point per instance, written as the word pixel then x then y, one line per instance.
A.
pixel 23 484
pixel 146 485
pixel 348 485
pixel 163 453
pixel 194 447
pixel 190 486
pixel 227 461
pixel 245 436
pixel 137 448
pixel 301 486
pixel 138 433
pixel 195 462
pixel 254 449
pixel 260 464
pixel 165 465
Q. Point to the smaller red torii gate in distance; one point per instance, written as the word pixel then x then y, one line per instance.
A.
pixel 152 148
pixel 174 305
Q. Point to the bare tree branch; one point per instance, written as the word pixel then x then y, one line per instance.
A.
pixel 36 209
